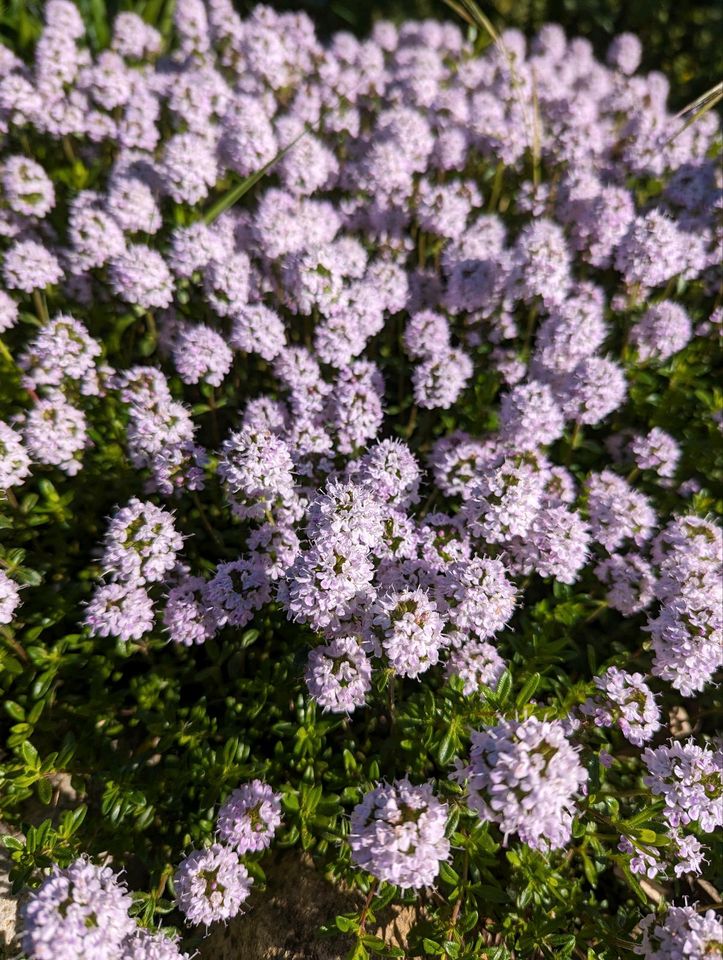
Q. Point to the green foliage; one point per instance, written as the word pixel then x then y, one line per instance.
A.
pixel 155 737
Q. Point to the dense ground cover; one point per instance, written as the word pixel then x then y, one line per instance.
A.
pixel 361 458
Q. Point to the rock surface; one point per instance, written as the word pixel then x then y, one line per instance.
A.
pixel 8 908
pixel 283 922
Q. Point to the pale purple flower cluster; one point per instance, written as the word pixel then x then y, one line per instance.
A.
pixel 139 275
pixel 687 628
pixel 250 817
pixel 656 451
pixel 80 911
pixel 398 834
pixel 141 543
pixel 9 598
pixel 27 189
pixel 8 312
pixel 661 331
pixel 256 467
pixel 201 354
pixel 685 854
pixel 524 776
pixel 506 499
pixel 625 701
pixel 690 780
pixel 409 629
pixel 119 610
pixel 160 434
pixel 188 615
pixel 143 945
pixel 55 433
pixel 14 459
pixel 617 511
pixel 339 675
pixel 684 933
pixel 139 550
pixel 29 266
pixel 211 885
pixel 62 353
pixel 530 417
pixel 558 544
pixel 477 664
pixel 480 596
pixel 236 590
pixel 631 582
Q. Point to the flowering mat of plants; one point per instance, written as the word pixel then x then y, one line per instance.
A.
pixel 359 458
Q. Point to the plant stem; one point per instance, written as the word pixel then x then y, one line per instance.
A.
pixel 41 307
pixel 367 904
pixel 574 441
pixel 162 882
pixel 497 186
pixel 205 521
pixel 412 422
pixel 458 904
pixel 597 611
pixel 422 248
pixel 214 417
pixel 68 150
pixel 390 702
pixel 531 318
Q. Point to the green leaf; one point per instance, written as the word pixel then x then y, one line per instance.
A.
pixel 11 843
pixel 77 817
pixel 432 947
pixel 30 755
pixel 504 687
pixel 45 790
pixel 445 750
pixel 646 836
pixel 14 710
pixel 448 874
pixel 528 690
pixel 376 943
pixel 489 893
pixel 249 637
pixel 565 940
pixel 359 952
pixel 589 868
pixel 346 924
pixel 633 882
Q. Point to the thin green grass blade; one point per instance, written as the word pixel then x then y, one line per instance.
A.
pixel 472 14
pixel 460 11
pixel 235 193
pixel 702 105
pixel 715 93
pixel 469 11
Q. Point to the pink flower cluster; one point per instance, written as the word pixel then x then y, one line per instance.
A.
pixel 81 912
pixel 212 884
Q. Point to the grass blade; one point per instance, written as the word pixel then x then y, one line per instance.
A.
pixel 233 195
pixel 702 105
